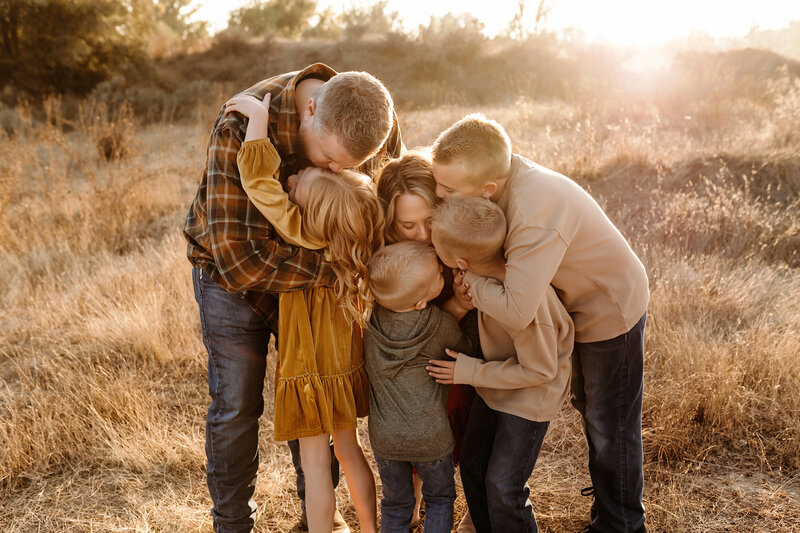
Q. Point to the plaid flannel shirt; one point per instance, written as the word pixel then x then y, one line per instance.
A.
pixel 228 237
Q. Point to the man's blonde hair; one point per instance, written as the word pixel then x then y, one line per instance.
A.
pixel 343 211
pixel 400 274
pixel 480 145
pixel 357 109
pixel 410 174
pixel 471 228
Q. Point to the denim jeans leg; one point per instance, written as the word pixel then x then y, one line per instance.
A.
pixel 476 450
pixel 236 340
pixel 516 448
pixel 397 502
pixel 294 449
pixel 438 492
pixel 607 385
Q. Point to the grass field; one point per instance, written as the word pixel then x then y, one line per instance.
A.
pixel 103 389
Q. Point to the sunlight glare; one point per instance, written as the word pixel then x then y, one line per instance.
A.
pixel 620 22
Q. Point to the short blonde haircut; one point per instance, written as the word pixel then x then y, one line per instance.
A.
pixel 410 174
pixel 343 211
pixel 472 228
pixel 480 145
pixel 401 274
pixel 357 109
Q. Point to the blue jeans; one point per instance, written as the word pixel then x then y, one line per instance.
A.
pixel 497 458
pixel 236 339
pixel 607 383
pixel 438 491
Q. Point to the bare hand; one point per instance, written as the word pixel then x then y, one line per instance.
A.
pixel 461 291
pixel 443 371
pixel 249 106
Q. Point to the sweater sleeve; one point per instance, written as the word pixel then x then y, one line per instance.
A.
pixel 535 363
pixel 533 255
pixel 450 334
pixel 258 162
pixel 470 343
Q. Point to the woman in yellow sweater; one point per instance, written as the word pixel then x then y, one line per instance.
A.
pixel 322 389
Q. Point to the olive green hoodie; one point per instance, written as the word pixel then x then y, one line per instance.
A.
pixel 407 408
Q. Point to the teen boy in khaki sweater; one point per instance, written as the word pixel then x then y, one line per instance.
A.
pixel 521 384
pixel 559 236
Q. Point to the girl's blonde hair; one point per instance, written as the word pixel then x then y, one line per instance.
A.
pixel 343 211
pixel 410 174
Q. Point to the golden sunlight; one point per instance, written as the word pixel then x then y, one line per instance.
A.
pixel 621 22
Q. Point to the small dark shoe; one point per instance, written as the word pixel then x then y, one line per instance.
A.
pixel 590 529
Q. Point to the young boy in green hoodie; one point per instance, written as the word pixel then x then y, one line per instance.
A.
pixel 408 423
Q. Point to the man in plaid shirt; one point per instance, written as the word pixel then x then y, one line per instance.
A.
pixel 317 117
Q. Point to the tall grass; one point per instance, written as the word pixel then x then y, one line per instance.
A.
pixel 103 390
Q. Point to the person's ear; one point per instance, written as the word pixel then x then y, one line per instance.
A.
pixel 462 263
pixel 311 108
pixel 488 190
pixel 420 305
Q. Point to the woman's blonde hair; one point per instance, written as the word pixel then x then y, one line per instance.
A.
pixel 411 173
pixel 343 210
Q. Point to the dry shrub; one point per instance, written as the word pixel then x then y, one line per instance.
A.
pixel 725 215
pixel 722 343
pixel 114 134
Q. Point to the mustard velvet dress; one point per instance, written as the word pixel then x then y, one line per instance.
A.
pixel 321 383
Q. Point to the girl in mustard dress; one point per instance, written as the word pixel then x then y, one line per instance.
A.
pixel 321 384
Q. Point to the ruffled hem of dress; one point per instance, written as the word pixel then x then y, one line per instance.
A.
pixel 310 404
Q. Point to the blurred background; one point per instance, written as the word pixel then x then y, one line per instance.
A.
pixel 167 57
pixel 681 118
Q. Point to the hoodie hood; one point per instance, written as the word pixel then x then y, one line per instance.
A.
pixel 401 337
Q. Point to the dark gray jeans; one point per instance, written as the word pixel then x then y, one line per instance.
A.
pixel 497 458
pixel 607 383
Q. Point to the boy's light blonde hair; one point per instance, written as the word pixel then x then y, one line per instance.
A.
pixel 343 211
pixel 471 228
pixel 401 274
pixel 357 109
pixel 480 145
pixel 410 174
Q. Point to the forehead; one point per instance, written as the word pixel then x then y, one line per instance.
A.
pixel 449 174
pixel 411 206
pixel 333 149
pixel 309 174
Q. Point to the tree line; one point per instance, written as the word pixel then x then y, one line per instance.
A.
pixel 70 46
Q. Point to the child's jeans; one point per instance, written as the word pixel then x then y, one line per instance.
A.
pixel 497 458
pixel 438 492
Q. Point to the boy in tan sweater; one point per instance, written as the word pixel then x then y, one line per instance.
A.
pixel 558 235
pixel 522 382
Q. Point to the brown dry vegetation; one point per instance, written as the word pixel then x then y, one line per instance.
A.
pixel 103 391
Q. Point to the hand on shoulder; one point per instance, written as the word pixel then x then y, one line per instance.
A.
pixel 254 109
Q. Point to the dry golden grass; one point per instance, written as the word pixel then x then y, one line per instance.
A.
pixel 103 390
